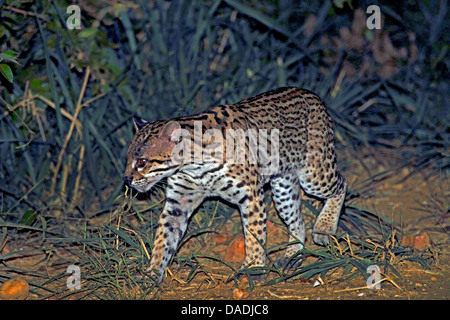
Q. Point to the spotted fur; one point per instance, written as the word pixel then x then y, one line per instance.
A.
pixel 307 161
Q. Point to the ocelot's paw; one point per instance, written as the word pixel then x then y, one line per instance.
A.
pixel 255 277
pixel 321 239
pixel 151 274
pixel 288 263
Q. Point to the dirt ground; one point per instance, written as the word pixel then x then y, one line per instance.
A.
pixel 417 202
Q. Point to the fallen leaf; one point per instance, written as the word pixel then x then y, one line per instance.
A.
pixel 236 250
pixel 15 289
pixel 418 241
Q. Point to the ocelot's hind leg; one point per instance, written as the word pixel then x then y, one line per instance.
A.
pixel 328 218
pixel 320 177
pixel 331 189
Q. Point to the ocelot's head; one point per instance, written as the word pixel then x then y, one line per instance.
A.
pixel 149 155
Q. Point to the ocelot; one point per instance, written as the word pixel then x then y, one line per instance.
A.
pixel 191 154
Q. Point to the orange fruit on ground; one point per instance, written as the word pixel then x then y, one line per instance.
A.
pixel 239 294
pixel 15 289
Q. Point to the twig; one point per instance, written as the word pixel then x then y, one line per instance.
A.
pixel 69 134
pixel 367 104
pixel 372 285
pixel 337 244
pixel 284 297
pixel 349 245
pixel 24 102
pixel 26 13
pixel 140 240
pixel 175 278
pixel 94 98
pixel 78 179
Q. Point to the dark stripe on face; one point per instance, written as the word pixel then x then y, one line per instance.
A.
pixel 157 161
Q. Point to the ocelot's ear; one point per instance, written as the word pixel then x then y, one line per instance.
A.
pixel 169 129
pixel 139 122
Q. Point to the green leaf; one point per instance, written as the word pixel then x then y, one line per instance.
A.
pixel 29 217
pixel 125 237
pixel 9 55
pixel 88 32
pixel 6 72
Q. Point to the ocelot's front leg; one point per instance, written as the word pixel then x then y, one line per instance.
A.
pixel 254 224
pixel 181 201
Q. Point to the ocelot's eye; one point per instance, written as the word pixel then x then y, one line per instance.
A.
pixel 140 163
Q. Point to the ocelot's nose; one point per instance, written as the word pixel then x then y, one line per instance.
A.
pixel 127 180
